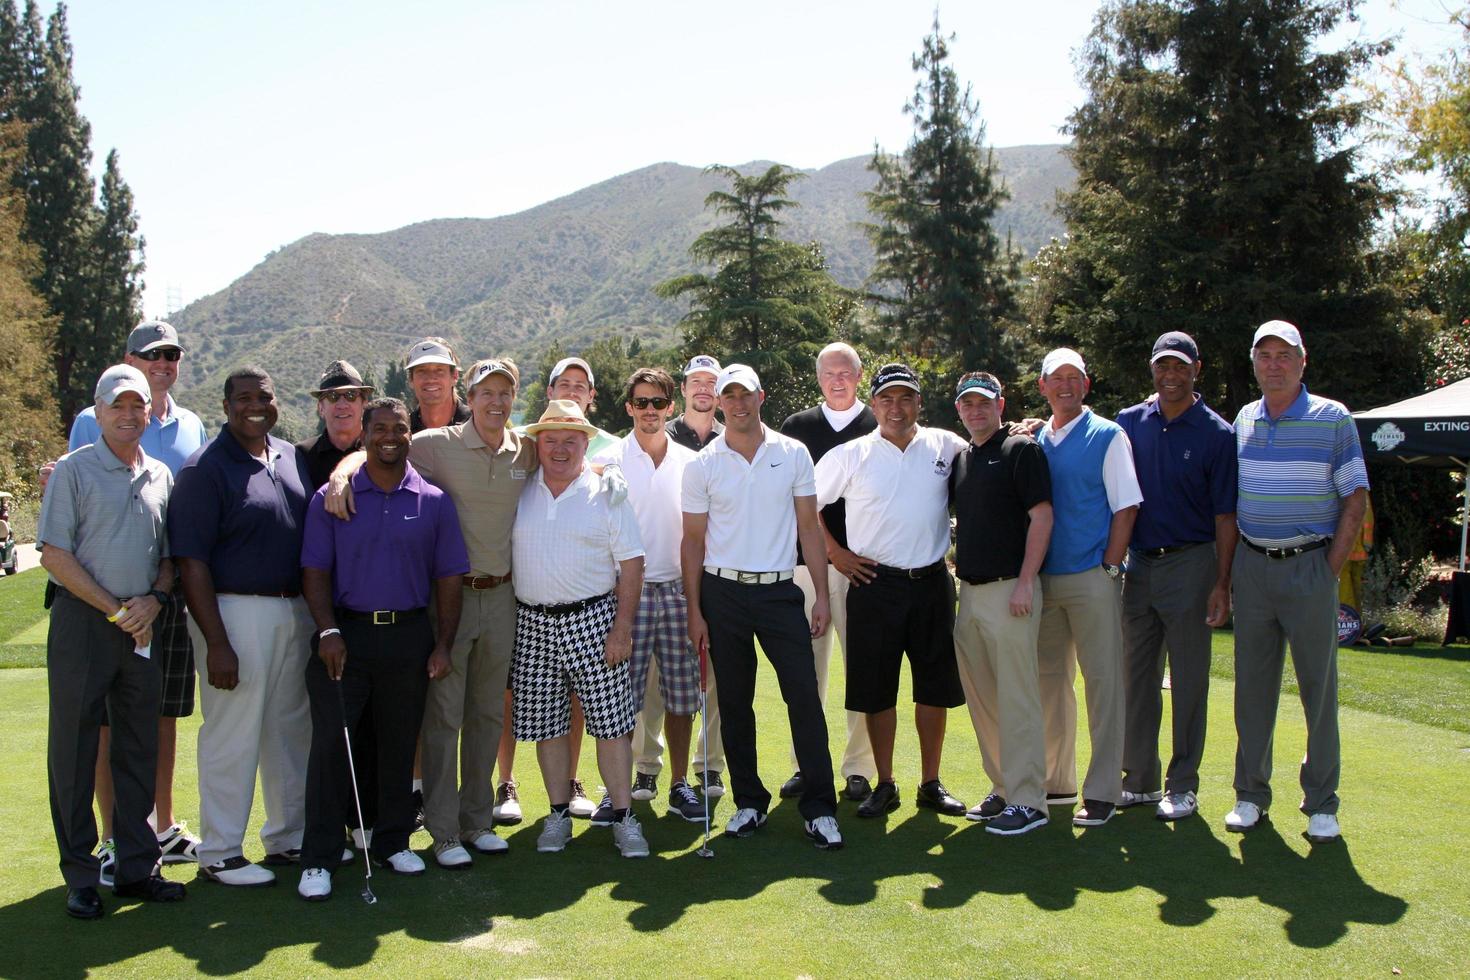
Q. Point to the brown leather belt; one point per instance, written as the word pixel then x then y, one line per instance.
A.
pixel 482 582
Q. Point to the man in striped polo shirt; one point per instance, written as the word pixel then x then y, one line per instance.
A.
pixel 1303 490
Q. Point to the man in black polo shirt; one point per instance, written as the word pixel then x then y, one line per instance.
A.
pixel 340 396
pixel 840 418
pixel 1001 490
pixel 433 374
pixel 697 426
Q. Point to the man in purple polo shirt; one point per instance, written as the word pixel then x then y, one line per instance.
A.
pixel 368 581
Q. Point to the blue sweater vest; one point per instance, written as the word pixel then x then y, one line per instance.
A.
pixel 1081 517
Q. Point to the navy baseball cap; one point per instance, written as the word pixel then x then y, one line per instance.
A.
pixel 1178 344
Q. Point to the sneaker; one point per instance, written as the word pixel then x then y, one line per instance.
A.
pixel 315 885
pixel 1244 817
pixel 823 832
pixel 450 853
pixel 684 802
pixel 556 832
pixel 745 822
pixel 507 805
pixel 793 787
pixel 107 855
pixel 603 815
pixel 1177 806
pixel 1138 799
pixel 990 808
pixel 711 784
pixel 405 862
pixel 1322 828
pixel 645 786
pixel 1016 819
pixel 579 806
pixel 486 841
pixel 1061 799
pixel 1094 813
pixel 178 845
pixel 418 810
pixel 933 796
pixel 628 836
pixel 238 872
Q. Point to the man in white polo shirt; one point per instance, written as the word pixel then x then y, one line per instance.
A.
pixel 896 483
pixel 746 499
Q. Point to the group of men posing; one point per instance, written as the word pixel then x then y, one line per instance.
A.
pixel 396 585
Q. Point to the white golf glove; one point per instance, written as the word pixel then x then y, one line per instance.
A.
pixel 614 484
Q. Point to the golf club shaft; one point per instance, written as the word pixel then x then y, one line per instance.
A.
pixel 352 771
pixel 704 735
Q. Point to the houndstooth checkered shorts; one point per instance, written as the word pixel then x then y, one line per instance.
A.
pixel 560 655
pixel 661 632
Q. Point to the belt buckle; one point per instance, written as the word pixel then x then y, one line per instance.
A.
pixel 748 578
pixel 383 617
pixel 915 574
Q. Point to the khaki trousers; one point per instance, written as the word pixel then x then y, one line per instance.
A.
pixel 1081 624
pixel 857 754
pixel 997 660
pixel 648 743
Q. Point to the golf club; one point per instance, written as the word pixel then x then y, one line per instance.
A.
pixel 367 885
pixel 704 851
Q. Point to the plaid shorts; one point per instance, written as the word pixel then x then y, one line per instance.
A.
pixel 175 656
pixel 558 655
pixel 661 632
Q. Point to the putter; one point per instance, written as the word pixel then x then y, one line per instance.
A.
pixel 704 851
pixel 367 862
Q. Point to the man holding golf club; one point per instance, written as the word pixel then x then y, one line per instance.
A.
pixel 368 582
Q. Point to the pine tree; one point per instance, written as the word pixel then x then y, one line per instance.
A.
pixel 117 284
pixel 943 281
pixel 1218 187
pixel 395 383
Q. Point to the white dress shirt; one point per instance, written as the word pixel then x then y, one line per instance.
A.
pixel 752 517
pixel 1119 479
pixel 655 493
pixel 566 548
pixel 897 500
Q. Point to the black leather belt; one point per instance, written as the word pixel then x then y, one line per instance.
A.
pixel 1278 553
pixel 988 581
pixel 381 617
pixel 565 608
pixel 1170 550
pixel 912 573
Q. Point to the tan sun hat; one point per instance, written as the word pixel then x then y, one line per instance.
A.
pixel 562 413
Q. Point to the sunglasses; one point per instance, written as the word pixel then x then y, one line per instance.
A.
pixel 334 397
pixel 658 403
pixel 172 354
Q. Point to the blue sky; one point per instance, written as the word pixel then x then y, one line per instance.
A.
pixel 243 127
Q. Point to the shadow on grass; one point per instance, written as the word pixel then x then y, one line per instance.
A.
pixel 221 931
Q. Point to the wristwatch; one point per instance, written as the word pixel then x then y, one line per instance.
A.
pixel 1113 571
pixel 160 595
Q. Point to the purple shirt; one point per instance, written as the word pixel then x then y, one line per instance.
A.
pixel 391 551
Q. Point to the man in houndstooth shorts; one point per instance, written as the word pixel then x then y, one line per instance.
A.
pixel 579 569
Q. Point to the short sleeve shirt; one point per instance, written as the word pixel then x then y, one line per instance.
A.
pixel 1186 470
pixel 485 484
pixel 750 506
pixel 654 492
pixel 171 441
pixel 995 485
pixel 567 547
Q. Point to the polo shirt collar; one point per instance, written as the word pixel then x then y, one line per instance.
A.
pixel 1064 430
pixel 1190 415
pixel 232 445
pixel 1297 409
pixel 510 443
pixel 582 477
pixel 996 438
pixel 363 483
pixel 768 437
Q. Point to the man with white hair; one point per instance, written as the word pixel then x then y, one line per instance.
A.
pixel 841 417
pixel 1095 498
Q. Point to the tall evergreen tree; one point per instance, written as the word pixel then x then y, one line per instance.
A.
pixel 943 281
pixel 1217 187
pixel 770 303
pixel 117 282
pixel 14 71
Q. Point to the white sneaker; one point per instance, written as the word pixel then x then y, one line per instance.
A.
pixel 823 832
pixel 1322 828
pixel 579 806
pixel 486 842
pixel 1244 817
pixel 1138 799
pixel 177 846
pixel 746 821
pixel 556 832
pixel 363 841
pixel 406 862
pixel 628 836
pixel 449 853
pixel 315 885
pixel 238 872
pixel 1177 806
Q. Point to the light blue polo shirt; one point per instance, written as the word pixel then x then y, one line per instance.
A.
pixel 171 441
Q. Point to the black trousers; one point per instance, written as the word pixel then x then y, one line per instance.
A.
pixel 738 615
pixel 94 677
pixel 386 673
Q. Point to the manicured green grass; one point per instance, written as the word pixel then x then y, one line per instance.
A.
pixel 22 620
pixel 916 893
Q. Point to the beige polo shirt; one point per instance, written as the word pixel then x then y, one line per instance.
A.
pixel 485 485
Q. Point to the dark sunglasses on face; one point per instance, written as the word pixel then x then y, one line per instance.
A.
pixel 658 403
pixel 350 394
pixel 173 354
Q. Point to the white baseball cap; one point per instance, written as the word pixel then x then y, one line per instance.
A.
pixel 567 362
pixel 1281 330
pixel 120 378
pixel 702 364
pixel 429 352
pixel 739 374
pixel 1060 356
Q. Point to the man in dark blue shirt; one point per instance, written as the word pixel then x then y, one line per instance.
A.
pixel 236 521
pixel 1178 580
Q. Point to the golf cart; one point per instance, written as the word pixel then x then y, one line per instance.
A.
pixel 7 537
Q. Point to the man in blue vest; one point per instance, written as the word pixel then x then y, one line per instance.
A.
pixel 1095 498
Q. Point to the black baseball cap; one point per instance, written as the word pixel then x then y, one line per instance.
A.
pixel 893 374
pixel 1175 343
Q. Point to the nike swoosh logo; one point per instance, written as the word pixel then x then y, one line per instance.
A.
pixel 775 464
pixel 992 462
pixel 410 517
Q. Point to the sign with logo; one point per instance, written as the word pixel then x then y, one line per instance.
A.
pixel 1349 625
pixel 1387 437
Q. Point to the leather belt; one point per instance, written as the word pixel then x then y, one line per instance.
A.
pixel 910 573
pixel 381 617
pixel 264 595
pixel 482 582
pixel 1279 553
pixel 565 608
pixel 749 578
pixel 988 581
pixel 1170 550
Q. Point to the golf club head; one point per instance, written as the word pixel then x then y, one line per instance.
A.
pixel 705 852
pixel 369 897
